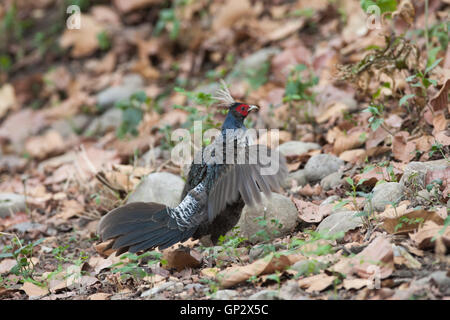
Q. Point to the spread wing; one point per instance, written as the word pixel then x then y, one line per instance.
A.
pixel 262 171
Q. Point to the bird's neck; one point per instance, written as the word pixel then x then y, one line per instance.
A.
pixel 231 123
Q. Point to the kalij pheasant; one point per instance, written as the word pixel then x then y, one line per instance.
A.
pixel 229 176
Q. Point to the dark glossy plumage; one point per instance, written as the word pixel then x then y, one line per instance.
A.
pixel 214 195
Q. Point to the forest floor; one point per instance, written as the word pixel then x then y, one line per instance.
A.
pixel 86 114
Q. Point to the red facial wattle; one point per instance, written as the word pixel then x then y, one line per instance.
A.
pixel 242 109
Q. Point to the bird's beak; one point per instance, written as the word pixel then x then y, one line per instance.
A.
pixel 253 107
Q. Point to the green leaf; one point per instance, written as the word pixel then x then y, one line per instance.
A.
pixel 404 99
pixel 432 66
pixel 384 5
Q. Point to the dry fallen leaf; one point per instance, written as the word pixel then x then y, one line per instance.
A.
pixel 348 141
pixel 440 100
pixel 333 111
pixel 83 40
pixel 354 156
pixel 181 258
pixel 309 212
pixel 42 146
pixel 99 296
pixel 231 12
pixel 33 291
pixel 375 260
pixel 355 283
pixel 429 231
pixel 402 220
pixel 371 177
pixel 126 6
pixel 403 149
pixel 269 264
pixel 6 265
pixel 316 283
pixel 7 99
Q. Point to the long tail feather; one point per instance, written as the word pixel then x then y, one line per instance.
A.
pixel 141 226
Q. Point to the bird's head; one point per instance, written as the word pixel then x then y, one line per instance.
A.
pixel 241 110
pixel 237 111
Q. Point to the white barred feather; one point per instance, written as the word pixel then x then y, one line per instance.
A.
pixel 223 95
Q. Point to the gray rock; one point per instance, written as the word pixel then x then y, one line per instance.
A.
pixel 414 173
pixel 340 221
pixel 29 226
pixel 150 156
pixel 110 120
pixel 255 253
pixel 157 289
pixel 297 176
pixel 441 278
pixel 132 83
pixel 423 196
pixel 331 181
pixel 321 165
pixel 196 286
pixel 276 207
pixel 11 203
pixel 291 291
pixel 264 295
pixel 160 187
pixel 226 294
pixel 329 200
pixel 296 148
pixel 308 267
pixel 384 194
pixel 69 127
pixel 253 61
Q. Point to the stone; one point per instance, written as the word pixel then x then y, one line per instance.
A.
pixel 308 267
pixel 197 287
pixel 415 172
pixel 160 187
pixel 385 193
pixel 11 203
pixel 441 279
pixel 331 181
pixel 341 221
pixel 157 289
pixel 321 165
pixel 298 177
pixel 110 120
pixel 70 127
pixel 290 290
pixel 29 226
pixel 296 148
pixel 276 207
pixel 264 295
pixel 131 84
pixel 251 62
pixel 150 156
pixel 226 294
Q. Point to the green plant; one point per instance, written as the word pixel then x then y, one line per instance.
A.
pixel 269 229
pixel 132 268
pixel 104 41
pixel 275 277
pixel 309 267
pixel 205 116
pixel 212 284
pixel 132 113
pixel 23 254
pixel 315 244
pixel 410 221
pixel 298 87
pixel 168 20
pixel 438 147
pixel 384 5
